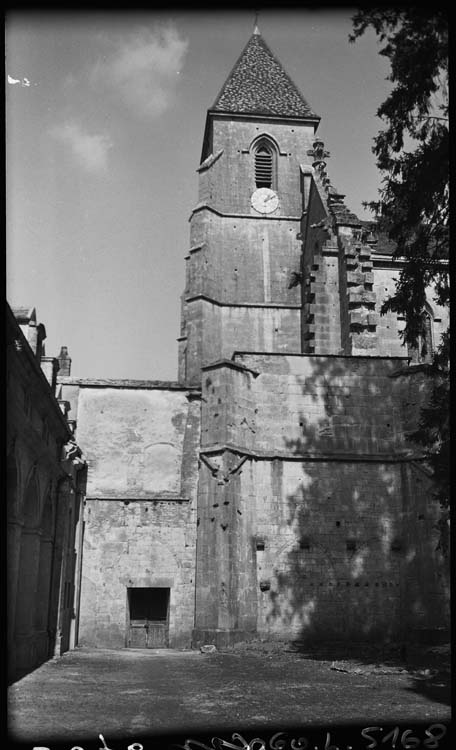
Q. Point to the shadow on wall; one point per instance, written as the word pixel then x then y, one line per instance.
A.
pixel 361 561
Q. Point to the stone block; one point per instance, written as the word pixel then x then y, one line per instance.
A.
pixel 357 318
pixel 355 277
pixel 362 297
pixel 373 319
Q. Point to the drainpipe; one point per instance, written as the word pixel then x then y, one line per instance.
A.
pixel 52 631
pixel 74 633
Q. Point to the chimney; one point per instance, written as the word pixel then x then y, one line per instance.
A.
pixel 64 362
pixel 41 335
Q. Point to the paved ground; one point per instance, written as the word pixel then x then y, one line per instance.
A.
pixel 132 694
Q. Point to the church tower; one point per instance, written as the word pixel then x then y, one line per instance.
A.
pixel 270 492
pixel 245 230
pixel 301 417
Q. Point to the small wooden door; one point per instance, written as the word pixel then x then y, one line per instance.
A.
pixel 148 617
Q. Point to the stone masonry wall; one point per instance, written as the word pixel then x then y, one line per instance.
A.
pixel 233 180
pixel 328 532
pixel 134 441
pixel 238 289
pixel 225 609
pixel 140 514
pixel 227 328
pixel 238 257
pixel 322 325
pixel 136 544
pixel 343 538
pixel 306 404
pixel 320 281
pixel 340 553
pixel 390 324
pixel 236 260
pixel 357 299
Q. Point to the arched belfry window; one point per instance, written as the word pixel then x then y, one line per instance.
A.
pixel 265 164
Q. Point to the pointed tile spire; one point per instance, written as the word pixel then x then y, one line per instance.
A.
pixel 256 30
pixel 259 85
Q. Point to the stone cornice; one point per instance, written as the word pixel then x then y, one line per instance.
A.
pixel 119 383
pixel 399 457
pixel 211 159
pixel 308 120
pixel 231 364
pixel 383 260
pixel 321 356
pixel 125 498
pixel 273 305
pixel 207 207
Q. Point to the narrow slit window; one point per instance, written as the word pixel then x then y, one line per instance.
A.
pixel 427 349
pixel 424 350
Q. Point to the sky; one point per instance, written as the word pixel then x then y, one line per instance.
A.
pixel 105 116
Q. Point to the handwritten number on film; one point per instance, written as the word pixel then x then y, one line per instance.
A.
pixel 394 739
pixel 434 734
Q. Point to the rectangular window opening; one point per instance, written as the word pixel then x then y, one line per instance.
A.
pixel 148 604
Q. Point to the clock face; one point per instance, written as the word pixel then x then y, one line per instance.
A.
pixel 265 200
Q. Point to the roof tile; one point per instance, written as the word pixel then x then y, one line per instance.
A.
pixel 259 85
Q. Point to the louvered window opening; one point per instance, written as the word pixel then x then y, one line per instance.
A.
pixel 263 167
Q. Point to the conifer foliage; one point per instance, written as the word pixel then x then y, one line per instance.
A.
pixel 412 152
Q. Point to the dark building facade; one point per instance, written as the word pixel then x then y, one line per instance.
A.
pixel 45 481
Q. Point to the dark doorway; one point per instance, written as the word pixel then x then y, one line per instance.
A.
pixel 148 617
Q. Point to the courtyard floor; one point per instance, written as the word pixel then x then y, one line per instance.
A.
pixel 159 698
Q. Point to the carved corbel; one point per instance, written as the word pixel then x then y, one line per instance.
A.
pixel 71 452
pixel 216 471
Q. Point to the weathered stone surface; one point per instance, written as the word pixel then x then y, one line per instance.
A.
pixel 267 491
pixel 323 443
pixel 133 441
pixel 140 523
pixel 138 544
pixel 362 297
